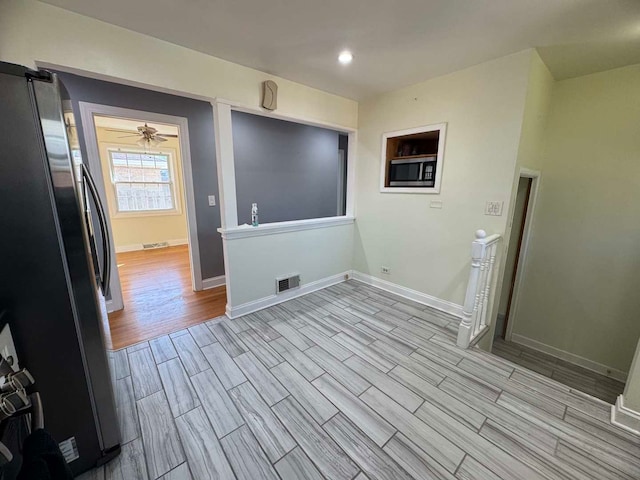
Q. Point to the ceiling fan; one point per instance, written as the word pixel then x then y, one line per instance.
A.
pixel 149 136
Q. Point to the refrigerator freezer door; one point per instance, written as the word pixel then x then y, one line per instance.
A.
pixel 35 284
pixel 74 238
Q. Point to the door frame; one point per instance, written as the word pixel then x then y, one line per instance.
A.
pixel 87 113
pixel 518 282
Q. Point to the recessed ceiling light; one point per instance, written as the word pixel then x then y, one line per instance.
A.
pixel 345 57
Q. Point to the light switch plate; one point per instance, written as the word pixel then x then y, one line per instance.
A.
pixel 493 208
pixel 435 204
pixel 212 200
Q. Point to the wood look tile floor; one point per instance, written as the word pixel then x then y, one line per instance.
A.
pixel 350 382
pixel 596 385
pixel 158 296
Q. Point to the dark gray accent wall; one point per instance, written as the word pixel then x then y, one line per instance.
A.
pixel 289 169
pixel 201 138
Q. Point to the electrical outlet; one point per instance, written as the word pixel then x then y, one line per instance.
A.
pixel 385 270
pixel 212 200
pixel 435 204
pixel 493 208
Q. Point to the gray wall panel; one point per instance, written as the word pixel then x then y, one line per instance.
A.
pixel 201 137
pixel 290 170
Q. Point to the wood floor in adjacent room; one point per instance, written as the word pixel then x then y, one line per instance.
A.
pixel 350 383
pixel 158 296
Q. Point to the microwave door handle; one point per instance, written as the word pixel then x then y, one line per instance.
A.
pixel 421 171
pixel 104 231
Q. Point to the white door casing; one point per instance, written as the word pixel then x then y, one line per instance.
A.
pixel 87 113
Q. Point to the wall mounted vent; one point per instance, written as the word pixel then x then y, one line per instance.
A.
pixel 287 283
pixel 147 246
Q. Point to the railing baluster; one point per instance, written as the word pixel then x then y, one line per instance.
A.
pixel 479 296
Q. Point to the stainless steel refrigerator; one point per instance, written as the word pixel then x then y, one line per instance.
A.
pixel 54 267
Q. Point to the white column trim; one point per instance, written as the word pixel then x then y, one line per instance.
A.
pixel 351 173
pixel 225 165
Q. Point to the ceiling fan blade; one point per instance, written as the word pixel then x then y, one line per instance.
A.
pixel 121 130
pixel 159 138
pixel 129 136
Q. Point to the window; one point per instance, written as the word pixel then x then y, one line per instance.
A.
pixel 143 182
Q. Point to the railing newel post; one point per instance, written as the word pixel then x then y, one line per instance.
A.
pixel 478 297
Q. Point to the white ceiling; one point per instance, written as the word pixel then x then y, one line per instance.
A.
pixel 395 42
pixel 132 125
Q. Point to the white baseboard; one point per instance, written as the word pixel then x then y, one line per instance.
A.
pixel 416 296
pixel 571 357
pixel 213 282
pixel 624 417
pixel 255 305
pixel 134 247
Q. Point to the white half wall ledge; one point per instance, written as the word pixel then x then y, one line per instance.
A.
pixel 420 297
pixel 624 417
pixel 213 282
pixel 283 227
pixel 600 368
pixel 261 303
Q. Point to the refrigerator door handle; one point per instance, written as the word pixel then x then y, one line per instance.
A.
pixel 104 231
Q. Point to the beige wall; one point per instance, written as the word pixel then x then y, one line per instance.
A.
pixel 428 249
pixel 536 113
pixel 131 232
pixel 579 289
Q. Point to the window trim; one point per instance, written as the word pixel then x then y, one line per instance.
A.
pixel 177 207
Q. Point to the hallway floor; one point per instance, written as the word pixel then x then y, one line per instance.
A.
pixel 350 382
pixel 599 386
pixel 158 296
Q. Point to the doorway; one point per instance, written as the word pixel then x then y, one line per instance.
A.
pixel 142 169
pixel 520 227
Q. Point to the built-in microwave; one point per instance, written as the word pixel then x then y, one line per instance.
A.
pixel 413 172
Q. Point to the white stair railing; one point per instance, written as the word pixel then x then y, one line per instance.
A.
pixel 479 298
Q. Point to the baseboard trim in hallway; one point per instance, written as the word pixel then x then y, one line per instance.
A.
pixel 213 282
pixel 265 302
pixel 600 368
pixel 420 297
